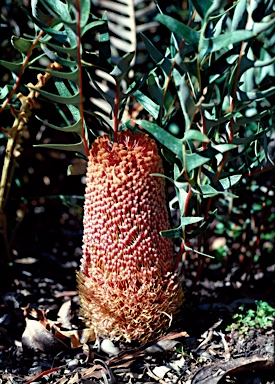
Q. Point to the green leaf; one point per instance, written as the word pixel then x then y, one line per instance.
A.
pixel 73 75
pixel 104 41
pixel 257 95
pixel 13 67
pixel 201 6
pixel 69 128
pixel 198 252
pixel 221 148
pixel 194 160
pixel 181 30
pixel 85 7
pixel 5 91
pixel 228 182
pixel 78 147
pixel 263 26
pixel 60 10
pixel 174 233
pixel 165 138
pixel 203 226
pixel 158 57
pixel 187 102
pixel 156 91
pixel 123 66
pixel 177 232
pixel 21 44
pixel 215 44
pixel 238 17
pixel 147 104
pixel 70 51
pixel 192 134
pixel 215 6
pixel 208 191
pixel 58 99
pixel 93 24
pixel 61 37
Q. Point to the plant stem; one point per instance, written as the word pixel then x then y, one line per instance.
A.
pixel 80 80
pixel 16 85
pixel 116 111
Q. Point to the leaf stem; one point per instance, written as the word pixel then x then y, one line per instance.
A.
pixel 80 79
pixel 116 111
pixel 16 85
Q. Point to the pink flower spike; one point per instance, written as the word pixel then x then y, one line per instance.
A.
pixel 127 288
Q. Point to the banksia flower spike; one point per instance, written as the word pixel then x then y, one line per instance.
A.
pixel 127 287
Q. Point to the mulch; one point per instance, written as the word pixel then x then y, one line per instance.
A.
pixel 42 338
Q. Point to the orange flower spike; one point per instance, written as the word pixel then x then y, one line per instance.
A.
pixel 126 285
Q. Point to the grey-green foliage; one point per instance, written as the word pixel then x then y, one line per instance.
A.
pixel 60 43
pixel 218 72
pixel 215 76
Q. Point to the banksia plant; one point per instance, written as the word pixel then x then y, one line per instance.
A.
pixel 127 286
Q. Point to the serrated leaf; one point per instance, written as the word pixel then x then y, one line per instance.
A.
pixel 73 75
pixel 70 51
pixel 13 67
pixel 21 44
pixel 76 128
pixel 61 37
pixel 58 99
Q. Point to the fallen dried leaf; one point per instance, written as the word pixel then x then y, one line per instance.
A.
pixel 78 337
pixel 64 314
pixel 126 358
pixel 37 337
pixel 161 371
pixel 216 372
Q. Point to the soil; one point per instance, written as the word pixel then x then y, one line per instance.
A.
pixel 42 338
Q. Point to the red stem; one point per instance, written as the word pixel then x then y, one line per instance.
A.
pixel 116 111
pixel 16 85
pixel 80 80
pixel 179 257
